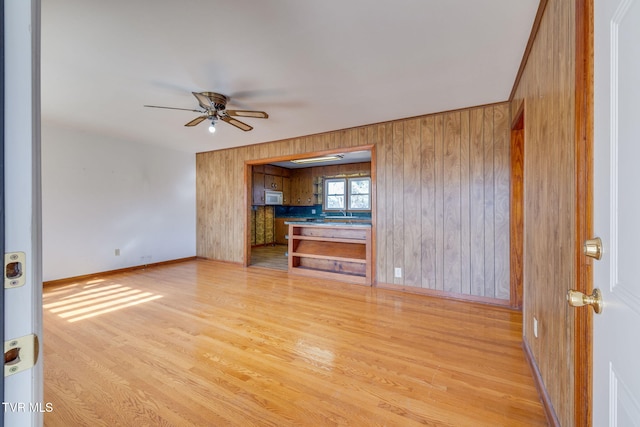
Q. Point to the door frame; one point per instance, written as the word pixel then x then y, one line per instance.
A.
pixel 583 319
pixel 248 193
pixel 23 217
pixel 516 210
pixel 2 189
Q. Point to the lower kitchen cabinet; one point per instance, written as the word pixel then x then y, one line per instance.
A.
pixel 282 230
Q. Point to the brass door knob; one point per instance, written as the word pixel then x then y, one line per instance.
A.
pixel 578 299
pixel 593 248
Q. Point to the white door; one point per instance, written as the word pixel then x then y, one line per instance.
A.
pixel 616 344
pixel 23 402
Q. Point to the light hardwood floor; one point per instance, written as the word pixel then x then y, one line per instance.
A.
pixel 213 344
pixel 270 256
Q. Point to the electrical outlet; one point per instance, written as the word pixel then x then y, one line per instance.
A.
pixel 535 327
pixel 397 272
pixel 117 252
pixel 313 211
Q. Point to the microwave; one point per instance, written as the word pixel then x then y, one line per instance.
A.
pixel 272 197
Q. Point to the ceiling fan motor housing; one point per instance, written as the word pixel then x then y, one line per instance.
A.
pixel 218 101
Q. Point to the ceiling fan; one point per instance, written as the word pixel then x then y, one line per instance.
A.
pixel 214 108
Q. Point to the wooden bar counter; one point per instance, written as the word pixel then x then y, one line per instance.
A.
pixel 332 250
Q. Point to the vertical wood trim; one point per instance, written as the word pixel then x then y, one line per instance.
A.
pixel 465 204
pixel 489 204
pixel 501 197
pixel 389 147
pixel 439 202
pixel 476 171
pixel 381 206
pixel 583 329
pixel 232 189
pixel 451 198
pixel 212 195
pixel 428 208
pixel 398 205
pixel 412 203
pixel 374 135
pixel 207 205
pixel 201 190
pixel 249 215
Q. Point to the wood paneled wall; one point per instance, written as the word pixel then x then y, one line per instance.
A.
pixel 546 90
pixel 442 198
pixel 443 202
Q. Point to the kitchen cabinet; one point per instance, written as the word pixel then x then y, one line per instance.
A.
pixel 258 188
pixel 276 171
pixel 286 190
pixel 269 177
pixel 272 182
pixel 302 187
pixel 282 230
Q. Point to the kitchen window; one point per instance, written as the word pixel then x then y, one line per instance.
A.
pixel 347 194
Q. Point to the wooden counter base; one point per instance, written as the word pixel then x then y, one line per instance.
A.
pixel 334 251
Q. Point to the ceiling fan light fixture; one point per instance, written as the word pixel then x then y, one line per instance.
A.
pixel 319 159
pixel 214 107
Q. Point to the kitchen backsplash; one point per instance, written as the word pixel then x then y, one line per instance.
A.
pixel 310 212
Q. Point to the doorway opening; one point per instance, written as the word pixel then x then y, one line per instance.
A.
pixel 291 188
pixel 517 208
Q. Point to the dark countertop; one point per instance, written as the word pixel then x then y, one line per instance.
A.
pixel 330 223
pixel 324 217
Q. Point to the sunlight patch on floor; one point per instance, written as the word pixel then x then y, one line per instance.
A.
pixel 91 299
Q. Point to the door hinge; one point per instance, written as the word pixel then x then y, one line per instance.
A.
pixel 14 269
pixel 20 354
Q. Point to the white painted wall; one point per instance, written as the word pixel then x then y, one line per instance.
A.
pixel 100 194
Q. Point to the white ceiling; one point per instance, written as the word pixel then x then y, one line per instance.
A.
pixel 313 65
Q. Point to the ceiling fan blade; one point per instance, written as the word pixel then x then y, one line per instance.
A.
pixel 204 101
pixel 248 113
pixel 173 108
pixel 237 123
pixel 196 121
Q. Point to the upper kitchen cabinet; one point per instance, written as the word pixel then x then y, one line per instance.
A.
pixel 302 187
pixel 269 177
pixel 272 182
pixel 286 191
pixel 258 185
